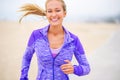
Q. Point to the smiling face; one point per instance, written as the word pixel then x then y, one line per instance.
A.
pixel 55 12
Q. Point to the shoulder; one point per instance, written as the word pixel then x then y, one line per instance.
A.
pixel 72 35
pixel 37 31
pixel 75 38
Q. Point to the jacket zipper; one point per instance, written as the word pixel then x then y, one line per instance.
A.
pixel 54 57
pixel 53 68
pixel 53 60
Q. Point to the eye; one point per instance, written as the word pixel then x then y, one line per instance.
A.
pixel 49 11
pixel 58 10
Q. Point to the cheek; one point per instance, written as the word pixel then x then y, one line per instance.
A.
pixel 48 17
pixel 61 15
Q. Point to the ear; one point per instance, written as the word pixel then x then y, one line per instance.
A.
pixel 65 13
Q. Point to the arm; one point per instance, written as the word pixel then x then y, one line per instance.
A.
pixel 27 58
pixel 83 68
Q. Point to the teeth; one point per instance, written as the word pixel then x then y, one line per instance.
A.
pixel 54 20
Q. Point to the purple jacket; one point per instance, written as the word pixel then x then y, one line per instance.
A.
pixel 49 67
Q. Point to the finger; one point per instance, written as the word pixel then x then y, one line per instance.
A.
pixel 64 66
pixel 68 71
pixel 67 61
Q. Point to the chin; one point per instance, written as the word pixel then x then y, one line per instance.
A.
pixel 55 24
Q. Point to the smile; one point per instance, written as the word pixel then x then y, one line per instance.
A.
pixel 54 20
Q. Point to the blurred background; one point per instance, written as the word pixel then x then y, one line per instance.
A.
pixel 95 22
pixel 80 11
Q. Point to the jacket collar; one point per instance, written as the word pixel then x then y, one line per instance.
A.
pixel 67 38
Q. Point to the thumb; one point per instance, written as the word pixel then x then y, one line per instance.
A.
pixel 67 61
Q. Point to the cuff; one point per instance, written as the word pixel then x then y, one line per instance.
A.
pixel 23 78
pixel 78 70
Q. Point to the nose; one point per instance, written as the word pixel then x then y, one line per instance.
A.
pixel 53 14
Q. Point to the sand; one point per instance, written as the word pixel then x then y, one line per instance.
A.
pixel 95 37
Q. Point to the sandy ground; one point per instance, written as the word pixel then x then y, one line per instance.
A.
pixel 101 43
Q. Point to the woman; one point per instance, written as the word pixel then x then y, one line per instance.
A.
pixel 53 45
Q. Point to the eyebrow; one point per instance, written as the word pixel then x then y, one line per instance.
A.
pixel 55 8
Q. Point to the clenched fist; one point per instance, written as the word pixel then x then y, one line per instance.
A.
pixel 67 68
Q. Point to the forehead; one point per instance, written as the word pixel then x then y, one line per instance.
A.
pixel 53 4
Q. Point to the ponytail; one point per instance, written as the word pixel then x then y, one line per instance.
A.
pixel 33 9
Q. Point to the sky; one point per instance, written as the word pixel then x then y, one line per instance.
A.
pixel 76 9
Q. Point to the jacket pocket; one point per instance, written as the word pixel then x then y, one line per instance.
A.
pixel 43 75
pixel 39 77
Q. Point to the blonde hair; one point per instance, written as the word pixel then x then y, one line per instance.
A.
pixel 34 9
pixel 62 1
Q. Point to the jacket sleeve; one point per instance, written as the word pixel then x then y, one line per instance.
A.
pixel 83 68
pixel 27 58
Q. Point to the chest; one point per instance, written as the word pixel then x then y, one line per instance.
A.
pixel 56 41
pixel 44 54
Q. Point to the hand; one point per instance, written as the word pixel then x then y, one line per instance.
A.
pixel 67 68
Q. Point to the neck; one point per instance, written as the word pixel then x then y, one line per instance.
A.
pixel 55 30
